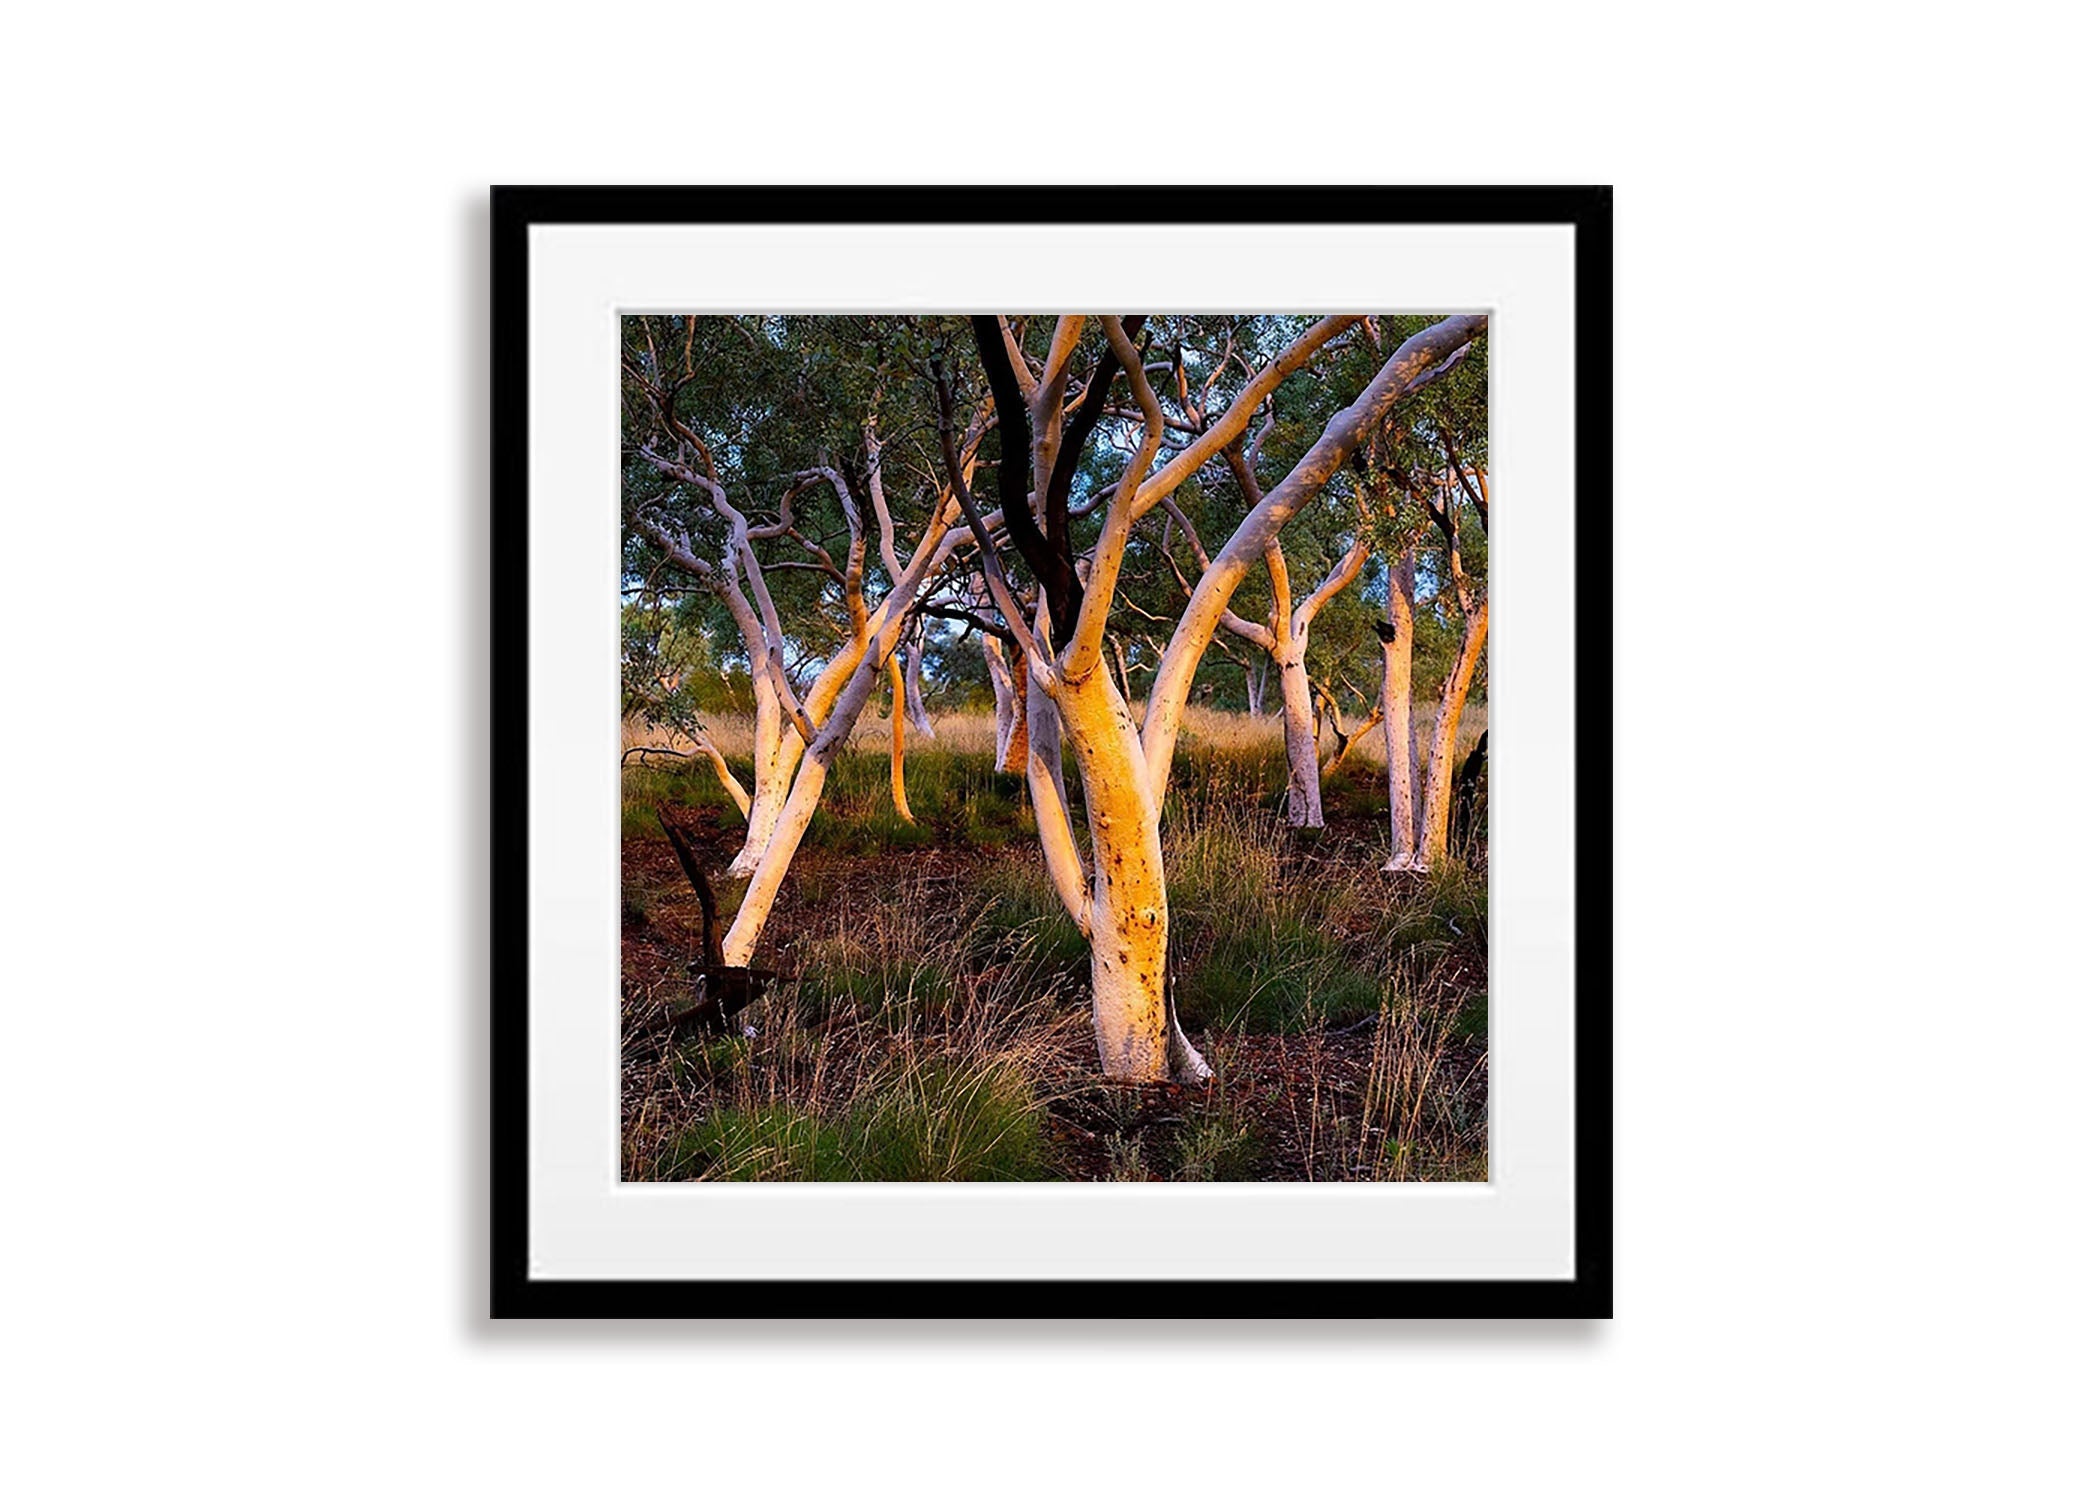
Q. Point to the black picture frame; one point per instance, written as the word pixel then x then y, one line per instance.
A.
pixel 513 1293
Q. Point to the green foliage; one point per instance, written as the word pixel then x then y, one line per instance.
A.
pixel 769 397
pixel 670 672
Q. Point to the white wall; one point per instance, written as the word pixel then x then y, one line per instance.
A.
pixel 245 500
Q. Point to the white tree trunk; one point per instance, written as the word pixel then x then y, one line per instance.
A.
pixel 1042 742
pixel 774 751
pixel 914 678
pixel 799 806
pixel 1397 699
pixel 1135 1029
pixel 1431 848
pixel 1009 709
pixel 1301 727
pixel 1421 359
pixel 841 691
pixel 1124 774
pixel 1301 740
pixel 1257 684
pixel 724 775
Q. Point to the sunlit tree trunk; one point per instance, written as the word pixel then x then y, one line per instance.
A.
pixel 1432 848
pixel 801 802
pixel 774 750
pixel 798 738
pixel 1009 709
pixel 898 799
pixel 1053 809
pixel 1135 1029
pixel 841 691
pixel 723 775
pixel 1123 771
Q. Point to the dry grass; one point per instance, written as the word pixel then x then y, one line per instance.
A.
pixel 877 1063
pixel 966 733
pixel 972 733
pixel 941 1031
pixel 1240 734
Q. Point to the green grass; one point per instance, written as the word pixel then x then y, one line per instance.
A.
pixel 1473 1019
pixel 690 784
pixel 900 992
pixel 1271 930
pixel 932 1122
pixel 1216 1146
pixel 1020 918
pixel 1260 945
pixel 956 798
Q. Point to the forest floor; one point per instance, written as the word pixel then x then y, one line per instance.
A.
pixel 931 1020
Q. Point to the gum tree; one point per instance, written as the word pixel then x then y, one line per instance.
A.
pixel 777 399
pixel 1284 637
pixel 1047 408
pixel 1427 488
pixel 1331 537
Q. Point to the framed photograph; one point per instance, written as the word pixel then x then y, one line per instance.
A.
pixel 993 812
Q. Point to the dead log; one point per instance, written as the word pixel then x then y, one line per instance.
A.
pixel 720 989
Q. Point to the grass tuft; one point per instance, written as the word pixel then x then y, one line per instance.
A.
pixel 941 1032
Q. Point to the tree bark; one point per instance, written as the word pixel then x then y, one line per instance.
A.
pixel 1043 739
pixel 1009 705
pixel 1123 772
pixel 1135 1029
pixel 842 690
pixel 898 799
pixel 774 751
pixel 1432 847
pixel 1301 741
pixel 1396 698
pixel 1418 361
pixel 801 802
pixel 1301 727
pixel 914 677
pixel 724 775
